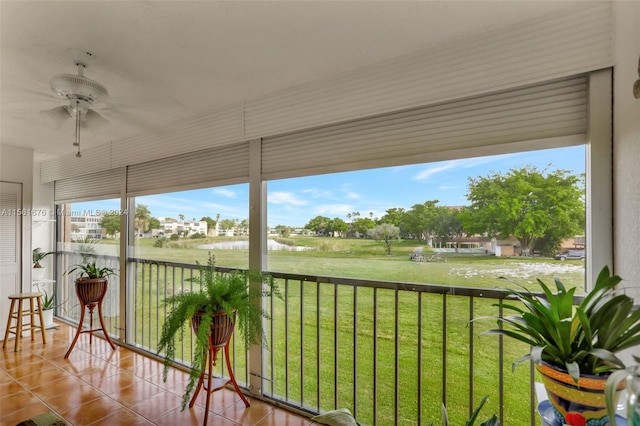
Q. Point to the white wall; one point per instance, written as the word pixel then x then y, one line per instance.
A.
pixel 16 165
pixel 42 233
pixel 626 147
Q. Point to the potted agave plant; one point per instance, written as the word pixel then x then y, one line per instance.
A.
pixel 574 348
pixel 220 303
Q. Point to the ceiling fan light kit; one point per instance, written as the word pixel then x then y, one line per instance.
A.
pixel 82 94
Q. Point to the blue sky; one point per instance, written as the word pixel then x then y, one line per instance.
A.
pixel 294 202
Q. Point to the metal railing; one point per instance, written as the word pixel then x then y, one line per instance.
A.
pixel 391 352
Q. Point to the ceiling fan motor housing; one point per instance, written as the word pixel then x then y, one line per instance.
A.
pixel 72 86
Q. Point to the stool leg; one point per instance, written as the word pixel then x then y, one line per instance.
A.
pixel 18 327
pixel 32 319
pixel 75 339
pixel 6 333
pixel 41 316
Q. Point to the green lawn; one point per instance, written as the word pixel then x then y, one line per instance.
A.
pixel 311 369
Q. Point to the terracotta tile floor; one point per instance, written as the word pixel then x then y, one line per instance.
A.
pixel 99 386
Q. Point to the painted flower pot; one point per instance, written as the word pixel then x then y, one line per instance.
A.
pixel 571 401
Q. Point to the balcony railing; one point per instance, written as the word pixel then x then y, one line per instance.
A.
pixel 391 352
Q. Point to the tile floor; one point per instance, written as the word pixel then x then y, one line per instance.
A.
pixel 99 386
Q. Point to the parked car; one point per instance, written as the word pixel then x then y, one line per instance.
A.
pixel 570 254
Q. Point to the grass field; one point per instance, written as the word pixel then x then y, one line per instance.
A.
pixel 362 258
pixel 325 374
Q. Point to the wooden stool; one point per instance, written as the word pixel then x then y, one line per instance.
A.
pixel 18 314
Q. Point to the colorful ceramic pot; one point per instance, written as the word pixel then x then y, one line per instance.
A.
pixel 571 400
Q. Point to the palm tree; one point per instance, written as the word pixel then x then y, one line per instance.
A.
pixel 142 217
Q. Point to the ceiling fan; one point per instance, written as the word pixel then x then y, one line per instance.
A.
pixel 82 94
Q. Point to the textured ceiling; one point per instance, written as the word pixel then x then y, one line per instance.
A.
pixel 162 61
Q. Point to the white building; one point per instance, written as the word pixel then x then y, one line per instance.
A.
pixel 86 226
pixel 170 226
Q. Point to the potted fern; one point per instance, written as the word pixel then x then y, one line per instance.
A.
pixel 574 349
pixel 222 302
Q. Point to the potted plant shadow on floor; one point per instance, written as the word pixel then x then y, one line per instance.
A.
pixel 221 303
pixel 573 348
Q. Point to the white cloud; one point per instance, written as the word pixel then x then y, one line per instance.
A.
pixel 352 195
pixel 170 205
pixel 348 193
pixel 224 192
pixel 318 193
pixel 333 209
pixel 164 205
pixel 465 163
pixel 434 170
pixel 285 198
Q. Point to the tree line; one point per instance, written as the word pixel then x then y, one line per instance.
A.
pixel 540 208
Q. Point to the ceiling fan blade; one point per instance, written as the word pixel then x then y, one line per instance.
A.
pixel 96 123
pixel 57 116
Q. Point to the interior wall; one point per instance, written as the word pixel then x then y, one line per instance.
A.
pixel 16 165
pixel 43 225
pixel 626 146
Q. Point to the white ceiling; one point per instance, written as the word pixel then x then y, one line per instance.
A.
pixel 162 61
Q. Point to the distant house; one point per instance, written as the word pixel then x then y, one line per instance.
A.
pixel 506 247
pixel 577 242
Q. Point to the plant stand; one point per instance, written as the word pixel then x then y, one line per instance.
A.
pixel 214 384
pixel 90 293
pixel 222 328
